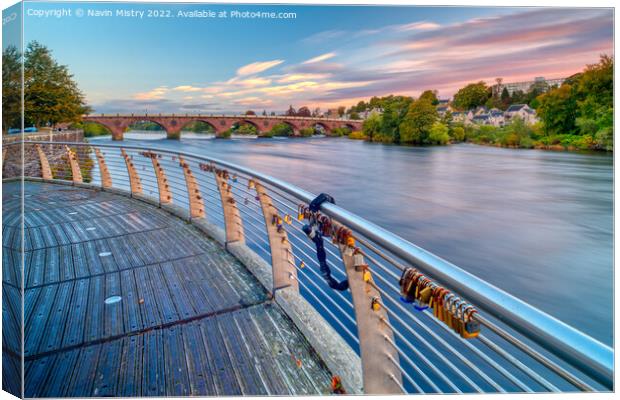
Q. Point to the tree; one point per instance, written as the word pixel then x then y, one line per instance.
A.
pixel 505 99
pixel 438 134
pixel 246 129
pixel 354 115
pixel 50 93
pixel 430 95
pixel 458 134
pixel 290 112
pixel 416 126
pixel 282 129
pixel 264 113
pixel 11 88
pixel 471 96
pixel 304 112
pixel 372 125
pixel 341 110
pixel 558 111
pixel 316 112
pixel 250 112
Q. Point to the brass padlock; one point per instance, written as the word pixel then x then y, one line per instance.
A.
pixel 374 304
pixel 472 327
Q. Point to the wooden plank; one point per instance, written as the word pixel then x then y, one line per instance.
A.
pixel 131 302
pixel 113 323
pixel 200 377
pixel 76 319
pixel 148 302
pixel 166 306
pixel 66 263
pixel 35 327
pixel 52 265
pixel 153 370
pixel 106 377
pixel 180 297
pixel 80 260
pixel 60 374
pixel 177 381
pixel 85 369
pixel 55 326
pixel 36 376
pixel 130 373
pixel 95 312
pixel 226 380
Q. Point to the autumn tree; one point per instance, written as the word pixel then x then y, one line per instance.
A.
pixel 471 96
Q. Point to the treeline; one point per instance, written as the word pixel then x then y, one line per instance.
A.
pixel 578 115
pixel 51 95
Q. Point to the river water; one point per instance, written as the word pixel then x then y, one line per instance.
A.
pixel 537 224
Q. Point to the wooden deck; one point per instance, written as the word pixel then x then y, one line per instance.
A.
pixel 191 319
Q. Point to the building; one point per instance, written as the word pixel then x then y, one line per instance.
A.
pixel 525 86
pixel 523 111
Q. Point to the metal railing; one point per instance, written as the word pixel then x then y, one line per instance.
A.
pixel 403 349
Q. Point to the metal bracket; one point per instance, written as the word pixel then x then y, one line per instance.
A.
pixel 134 178
pixel 381 375
pixel 46 172
pixel 232 218
pixel 196 204
pixel 75 166
pixel 106 179
pixel 282 260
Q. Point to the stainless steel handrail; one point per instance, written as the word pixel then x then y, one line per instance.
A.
pixel 580 350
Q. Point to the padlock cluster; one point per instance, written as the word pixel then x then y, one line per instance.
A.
pixel 278 222
pixel 447 307
pixel 150 154
pixel 206 167
pixel 338 233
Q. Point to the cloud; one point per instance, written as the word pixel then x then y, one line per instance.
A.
pixel 320 58
pixel 257 67
pixel 249 82
pixel 419 26
pixel 157 93
pixel 187 88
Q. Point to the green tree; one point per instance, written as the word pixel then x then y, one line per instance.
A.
pixel 246 129
pixel 458 134
pixel 416 126
pixel 11 88
pixel 430 95
pixel 471 96
pixel 50 93
pixel 282 129
pixel 354 115
pixel 558 110
pixel 372 125
pixel 438 134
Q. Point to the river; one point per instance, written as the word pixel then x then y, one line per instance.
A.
pixel 537 224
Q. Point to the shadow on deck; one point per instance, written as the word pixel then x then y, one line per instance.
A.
pixel 191 319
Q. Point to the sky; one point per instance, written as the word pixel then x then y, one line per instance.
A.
pixel 324 57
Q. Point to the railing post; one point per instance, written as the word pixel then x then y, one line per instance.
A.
pixel 134 178
pixel 165 196
pixel 282 261
pixel 196 204
pixel 75 166
pixel 232 218
pixel 106 179
pixel 4 150
pixel 46 172
pixel 380 374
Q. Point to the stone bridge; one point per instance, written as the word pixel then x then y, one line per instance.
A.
pixel 173 124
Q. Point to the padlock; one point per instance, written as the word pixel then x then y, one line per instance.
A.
pixel 279 228
pixel 366 275
pixel 422 299
pixel 302 265
pixel 374 304
pixel 358 258
pixel 234 178
pixel 472 327
pixel 405 285
pixel 251 184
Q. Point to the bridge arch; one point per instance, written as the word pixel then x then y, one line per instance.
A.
pixel 318 126
pixel 205 121
pixel 165 130
pixel 291 124
pixel 255 124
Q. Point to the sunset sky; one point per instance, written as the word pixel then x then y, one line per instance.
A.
pixel 327 56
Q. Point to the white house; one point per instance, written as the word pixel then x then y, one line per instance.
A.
pixel 523 111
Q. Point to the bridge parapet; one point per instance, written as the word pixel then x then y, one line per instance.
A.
pixel 174 123
pixel 424 347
